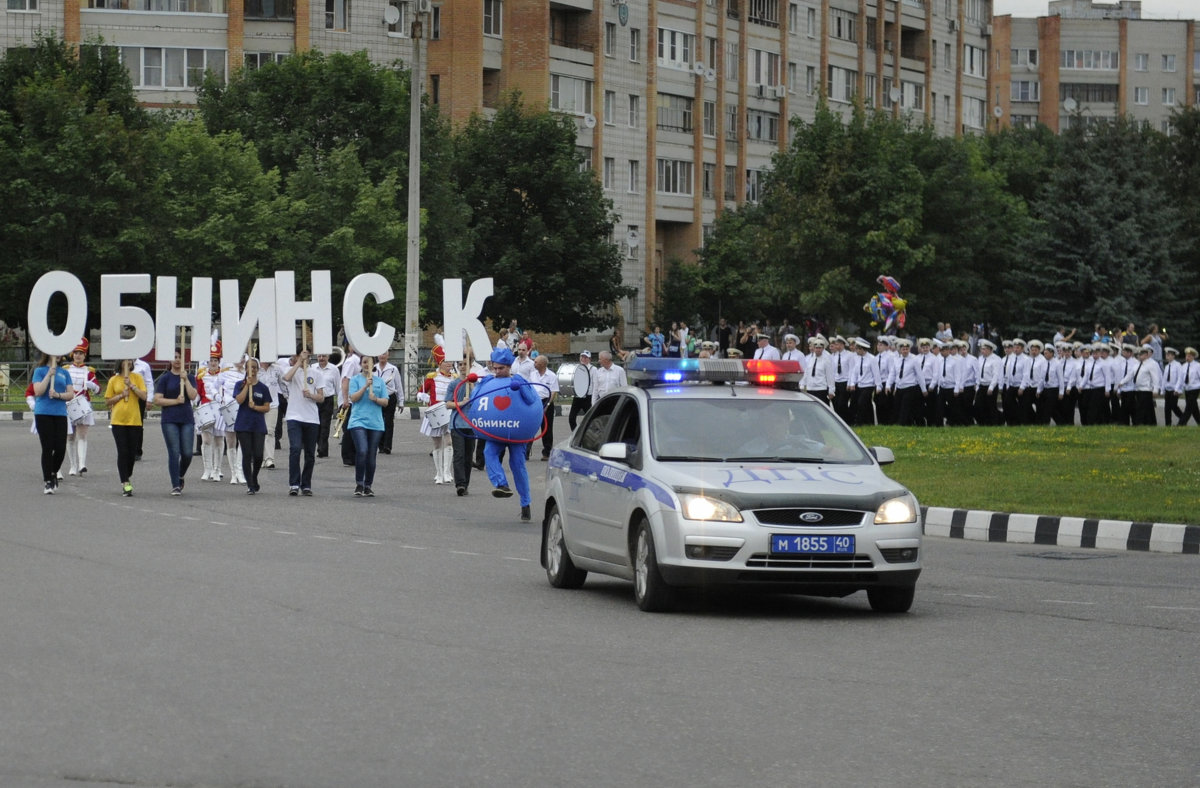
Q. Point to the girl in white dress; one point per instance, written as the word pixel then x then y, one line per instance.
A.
pixel 83 379
pixel 433 391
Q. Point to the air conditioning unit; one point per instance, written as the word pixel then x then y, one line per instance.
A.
pixel 780 91
pixel 986 30
pixel 889 45
pixel 424 6
pixel 761 91
pixel 953 25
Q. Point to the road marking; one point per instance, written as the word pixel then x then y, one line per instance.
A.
pixel 412 547
pixel 216 522
pixel 1168 607
pixel 1067 602
pixel 514 558
pixel 463 552
pixel 193 519
pixel 167 514
pixel 285 533
pixel 366 541
pixel 974 596
pixel 327 538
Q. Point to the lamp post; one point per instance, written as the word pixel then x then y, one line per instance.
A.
pixel 413 279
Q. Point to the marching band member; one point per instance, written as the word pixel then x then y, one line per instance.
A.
pixel 434 390
pixel 212 443
pixel 125 390
pixel 391 378
pixel 368 396
pixel 142 367
pixel 303 423
pixel 53 389
pixel 862 383
pixel 817 370
pixel 174 392
pixel 83 380
pixel 1172 386
pixel 330 379
pixel 351 365
pixel 254 402
pixel 230 376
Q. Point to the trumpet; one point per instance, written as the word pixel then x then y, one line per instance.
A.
pixel 339 424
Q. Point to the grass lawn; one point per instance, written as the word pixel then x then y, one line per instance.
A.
pixel 1146 474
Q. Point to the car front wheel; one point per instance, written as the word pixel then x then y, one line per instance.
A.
pixel 649 589
pixel 560 569
pixel 891 599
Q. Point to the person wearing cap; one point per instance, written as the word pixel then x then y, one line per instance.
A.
pixel 1092 404
pixel 862 384
pixel 212 437
pixel 792 352
pixel 1030 388
pixel 1171 387
pixel 839 362
pixel 966 381
pixel 502 359
pixel 925 362
pixel 1109 360
pixel 1071 359
pixel 904 382
pixel 1015 380
pixel 987 373
pixel 1191 387
pixel 817 371
pixel 1047 379
pixel 766 351
pixel 946 372
pixel 1125 387
pixel 1146 378
pixel 582 400
pixel 885 357
pixel 83 380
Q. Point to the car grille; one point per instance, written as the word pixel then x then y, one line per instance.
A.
pixel 829 517
pixel 767 561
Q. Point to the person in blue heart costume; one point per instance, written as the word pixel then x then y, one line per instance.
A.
pixel 505 409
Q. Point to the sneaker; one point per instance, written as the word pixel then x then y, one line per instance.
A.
pixel 503 491
pixel 461 491
pixel 367 491
pixel 49 490
pixel 269 464
pixel 293 491
pixel 358 491
pixel 176 491
pixel 82 471
pixel 127 490
pixel 250 492
pixel 306 492
pixel 526 515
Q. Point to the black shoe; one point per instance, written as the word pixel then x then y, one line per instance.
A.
pixel 322 456
pixel 479 466
pixel 249 492
pixel 461 491
pixel 49 489
pixel 504 491
pixel 526 516
pixel 307 493
pixel 368 492
pixel 82 471
pixel 385 451
pixel 358 491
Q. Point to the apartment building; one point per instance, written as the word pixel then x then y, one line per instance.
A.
pixel 1087 62
pixel 679 104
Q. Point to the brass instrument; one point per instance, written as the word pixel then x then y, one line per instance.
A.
pixel 339 425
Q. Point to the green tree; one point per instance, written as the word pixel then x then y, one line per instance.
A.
pixel 1181 155
pixel 541 225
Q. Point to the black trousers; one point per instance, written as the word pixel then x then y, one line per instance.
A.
pixel 1171 407
pixel 280 417
pixel 348 453
pixel 548 435
pixel 127 439
pixel 579 406
pixel 1191 409
pixel 986 412
pixel 864 407
pixel 325 411
pixel 137 449
pixel 52 434
pixel 1143 409
pixel 252 445
pixel 464 452
pixel 389 423
pixel 908 405
pixel 841 402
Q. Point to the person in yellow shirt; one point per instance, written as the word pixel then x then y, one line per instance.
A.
pixel 125 390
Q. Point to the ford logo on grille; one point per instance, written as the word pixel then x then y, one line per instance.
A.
pixel 812 517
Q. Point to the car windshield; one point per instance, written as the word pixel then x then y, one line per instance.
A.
pixel 745 429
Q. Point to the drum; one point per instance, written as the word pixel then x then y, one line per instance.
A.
pixel 437 414
pixel 206 415
pixel 229 413
pixel 566 379
pixel 78 409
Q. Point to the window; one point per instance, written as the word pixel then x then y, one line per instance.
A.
pixel 731 122
pixel 975 12
pixel 336 14
pixel 257 9
pixel 631 230
pixel 764 12
pixel 1196 60
pixel 887 92
pixel 1024 57
pixel 1168 97
pixel 1026 91
pixel 730 182
pixel 841 84
pixel 635 45
pixel 731 60
pixel 810 25
pixel 912 96
pixel 946 64
pixel 493 12
pixel 635 111
pixel 708 180
pixel 712 47
pixel 1141 96
pixel 675 48
pixel 583 158
pixel 762 126
pixel 1141 61
pixel 973 113
pixel 1090 59
pixel 610 172
pixel 403 26
pixel 159 67
pixel 933 107
pixel 754 181
pixel 435 24
pixel 22 5
pixel 635 178
pixel 610 39
pixel 1165 127
pixel 842 24
pixel 710 119
pixel 933 54
pixel 674 176
pixel 1088 92
pixel 974 61
pixel 762 68
pixel 568 94
pixel 869 85
pixel 946 107
pixel 1168 63
pixel 810 80
pixel 1023 121
pixel 254 60
pixel 674 112
pixel 793 19
pixel 610 107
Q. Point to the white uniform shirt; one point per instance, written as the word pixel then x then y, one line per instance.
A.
pixel 864 371
pixel 548 383
pixel 300 407
pixel 143 369
pixel 329 378
pixel 351 366
pixel 988 371
pixel 390 375
pixel 606 380
pixel 1172 379
pixel 907 373
pixel 768 353
pixel 818 372
pixel 1143 376
pixel 1191 376
pixel 839 362
pixel 524 367
pixel 966 374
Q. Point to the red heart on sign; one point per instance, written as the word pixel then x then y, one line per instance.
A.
pixel 502 403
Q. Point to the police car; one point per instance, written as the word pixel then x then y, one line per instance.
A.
pixel 707 473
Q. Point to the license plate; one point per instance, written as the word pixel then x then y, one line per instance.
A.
pixel 808 543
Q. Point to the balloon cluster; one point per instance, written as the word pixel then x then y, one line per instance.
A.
pixel 887 307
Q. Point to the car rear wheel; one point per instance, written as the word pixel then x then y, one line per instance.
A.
pixel 891 599
pixel 560 569
pixel 649 589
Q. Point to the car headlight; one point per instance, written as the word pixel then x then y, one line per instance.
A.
pixel 897 510
pixel 699 507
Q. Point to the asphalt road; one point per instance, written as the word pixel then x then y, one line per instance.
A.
pixel 218 639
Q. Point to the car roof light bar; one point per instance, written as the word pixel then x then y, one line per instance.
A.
pixel 651 371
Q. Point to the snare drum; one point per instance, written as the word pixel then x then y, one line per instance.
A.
pixel 229 413
pixel 78 408
pixel 206 415
pixel 575 380
pixel 437 414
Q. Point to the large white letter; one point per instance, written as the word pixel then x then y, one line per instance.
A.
pixel 465 318
pixel 171 316
pixel 40 334
pixel 238 328
pixel 288 311
pixel 357 291
pixel 114 317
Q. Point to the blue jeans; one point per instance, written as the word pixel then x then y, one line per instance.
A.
pixel 366 447
pixel 178 438
pixel 301 435
pixel 516 463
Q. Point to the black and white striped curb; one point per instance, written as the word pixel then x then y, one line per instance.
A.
pixel 1061 531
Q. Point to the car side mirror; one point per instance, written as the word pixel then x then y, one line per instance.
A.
pixel 883 455
pixel 615 451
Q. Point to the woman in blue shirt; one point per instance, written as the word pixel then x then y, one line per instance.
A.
pixel 52 388
pixel 174 392
pixel 368 395
pixel 254 400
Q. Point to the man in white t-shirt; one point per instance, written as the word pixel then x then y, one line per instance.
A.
pixel 547 389
pixel 303 423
